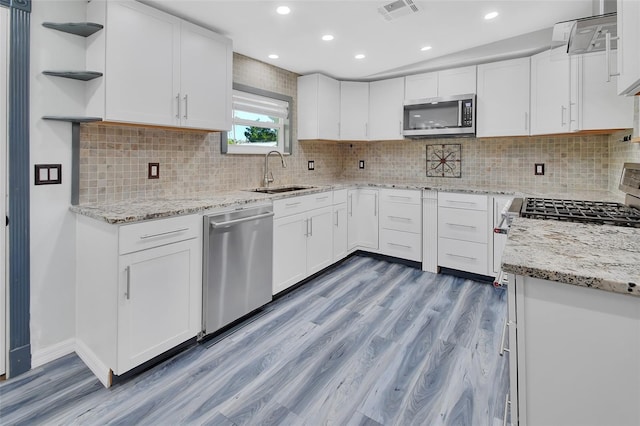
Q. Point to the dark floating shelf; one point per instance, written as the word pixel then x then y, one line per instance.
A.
pixel 75 75
pixel 82 29
pixel 72 119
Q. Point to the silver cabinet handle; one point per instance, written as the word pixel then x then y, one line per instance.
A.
pixel 351 205
pixel 503 338
pixel 186 106
pixel 526 121
pixel 462 202
pixel 464 257
pixel 461 225
pixel 336 224
pixel 507 403
pixel 322 198
pixel 127 293
pixel 366 130
pixel 311 227
pixel 607 46
pixel 176 231
pixel 562 110
pixel 375 205
pixel 178 102
pixel 400 127
pixel 408 219
pixel 293 204
pixel 399 197
pixel 399 245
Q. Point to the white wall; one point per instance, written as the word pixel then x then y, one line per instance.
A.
pixel 52 225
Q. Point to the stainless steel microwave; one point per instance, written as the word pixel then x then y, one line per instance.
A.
pixel 452 116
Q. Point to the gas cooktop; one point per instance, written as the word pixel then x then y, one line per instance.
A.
pixel 598 212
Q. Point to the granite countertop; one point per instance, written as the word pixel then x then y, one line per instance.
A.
pixel 596 256
pixel 137 210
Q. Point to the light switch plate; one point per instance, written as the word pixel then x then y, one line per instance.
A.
pixel 311 165
pixel 154 171
pixel 361 164
pixel 539 169
pixel 48 174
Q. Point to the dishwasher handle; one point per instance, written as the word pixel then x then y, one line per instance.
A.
pixel 241 220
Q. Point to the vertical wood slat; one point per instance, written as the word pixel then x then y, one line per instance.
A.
pixel 19 180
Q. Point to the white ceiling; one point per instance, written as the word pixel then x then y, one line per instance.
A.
pixel 454 29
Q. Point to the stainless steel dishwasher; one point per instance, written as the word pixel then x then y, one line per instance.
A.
pixel 237 264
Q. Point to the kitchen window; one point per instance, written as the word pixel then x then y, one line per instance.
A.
pixel 260 122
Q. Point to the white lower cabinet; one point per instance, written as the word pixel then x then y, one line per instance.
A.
pixel 575 357
pixel 302 238
pixel 362 220
pixel 463 232
pixel 401 224
pixel 340 233
pixel 138 292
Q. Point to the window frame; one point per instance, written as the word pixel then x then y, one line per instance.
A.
pixel 285 146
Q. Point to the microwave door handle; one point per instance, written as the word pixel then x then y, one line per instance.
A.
pixel 459 113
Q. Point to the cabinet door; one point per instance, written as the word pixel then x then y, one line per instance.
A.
pixel 289 251
pixel 628 14
pixel 340 233
pixel 319 240
pixel 421 86
pixel 386 103
pixel 365 213
pixel 354 110
pixel 457 81
pixel 318 107
pixel 158 299
pixel 142 65
pixel 550 92
pixel 205 87
pixel 503 98
pixel 597 101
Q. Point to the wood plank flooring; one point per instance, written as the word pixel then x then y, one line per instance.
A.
pixel 367 343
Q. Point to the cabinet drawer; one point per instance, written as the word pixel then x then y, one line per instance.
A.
pixel 466 225
pixel 340 196
pixel 407 196
pixel 154 233
pixel 303 203
pixel 463 256
pixel 401 217
pixel 462 201
pixel 405 245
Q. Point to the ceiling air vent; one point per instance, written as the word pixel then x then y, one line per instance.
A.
pixel 397 9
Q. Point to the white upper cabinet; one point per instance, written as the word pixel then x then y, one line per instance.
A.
pixel 456 81
pixel 628 13
pixel 386 99
pixel 595 104
pixel 421 86
pixel 318 107
pixel 550 92
pixel 205 78
pixel 503 98
pixel 354 110
pixel 158 69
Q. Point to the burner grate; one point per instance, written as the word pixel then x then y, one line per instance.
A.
pixel 598 212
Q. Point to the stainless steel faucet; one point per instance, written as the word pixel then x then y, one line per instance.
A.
pixel 268 176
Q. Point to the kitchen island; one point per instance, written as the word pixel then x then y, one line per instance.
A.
pixel 574 323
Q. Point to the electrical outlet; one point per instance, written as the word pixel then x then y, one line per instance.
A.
pixel 311 165
pixel 154 171
pixel 539 169
pixel 48 174
pixel 361 164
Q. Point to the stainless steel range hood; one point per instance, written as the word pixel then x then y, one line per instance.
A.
pixel 588 34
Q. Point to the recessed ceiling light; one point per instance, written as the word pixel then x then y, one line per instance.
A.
pixel 273 56
pixel 327 37
pixel 424 49
pixel 359 56
pixel 283 10
pixel 490 15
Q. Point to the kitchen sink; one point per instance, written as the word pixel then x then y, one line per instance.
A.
pixel 281 189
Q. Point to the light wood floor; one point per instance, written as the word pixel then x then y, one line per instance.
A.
pixel 368 342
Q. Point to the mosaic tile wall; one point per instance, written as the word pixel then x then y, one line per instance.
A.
pixel 114 159
pixel 571 162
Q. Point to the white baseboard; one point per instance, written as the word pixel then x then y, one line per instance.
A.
pixel 52 352
pixel 102 372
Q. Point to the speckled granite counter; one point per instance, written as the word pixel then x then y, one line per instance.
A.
pixel 597 256
pixel 137 210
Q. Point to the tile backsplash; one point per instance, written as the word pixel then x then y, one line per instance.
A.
pixel 114 159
